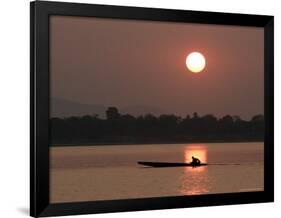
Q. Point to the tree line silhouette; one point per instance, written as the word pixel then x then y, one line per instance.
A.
pixel 167 128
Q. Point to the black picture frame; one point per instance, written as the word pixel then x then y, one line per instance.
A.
pixel 39 108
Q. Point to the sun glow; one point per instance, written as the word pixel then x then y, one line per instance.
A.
pixel 195 62
pixel 195 179
pixel 197 150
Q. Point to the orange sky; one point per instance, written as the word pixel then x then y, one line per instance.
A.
pixel 142 63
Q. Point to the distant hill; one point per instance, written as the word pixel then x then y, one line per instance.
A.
pixel 66 108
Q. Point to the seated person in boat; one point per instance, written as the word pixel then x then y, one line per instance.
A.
pixel 195 161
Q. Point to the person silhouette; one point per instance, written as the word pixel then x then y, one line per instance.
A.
pixel 195 161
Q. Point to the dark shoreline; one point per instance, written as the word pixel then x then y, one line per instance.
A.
pixel 77 144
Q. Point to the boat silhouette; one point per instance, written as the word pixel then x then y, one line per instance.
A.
pixel 169 164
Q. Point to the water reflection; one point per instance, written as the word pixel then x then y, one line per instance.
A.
pixel 199 151
pixel 194 179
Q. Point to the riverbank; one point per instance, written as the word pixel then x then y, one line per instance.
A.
pixel 148 142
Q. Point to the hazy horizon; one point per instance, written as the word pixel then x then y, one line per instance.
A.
pixel 85 109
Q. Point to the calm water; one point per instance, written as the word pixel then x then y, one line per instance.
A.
pixel 88 173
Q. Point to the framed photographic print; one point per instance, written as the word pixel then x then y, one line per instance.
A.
pixel 140 108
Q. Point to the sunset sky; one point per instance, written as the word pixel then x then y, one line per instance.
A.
pixel 127 63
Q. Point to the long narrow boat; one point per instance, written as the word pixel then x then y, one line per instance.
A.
pixel 167 164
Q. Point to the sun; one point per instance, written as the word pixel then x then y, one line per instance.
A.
pixel 195 62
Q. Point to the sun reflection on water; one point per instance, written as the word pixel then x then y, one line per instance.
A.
pixel 194 179
pixel 199 151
